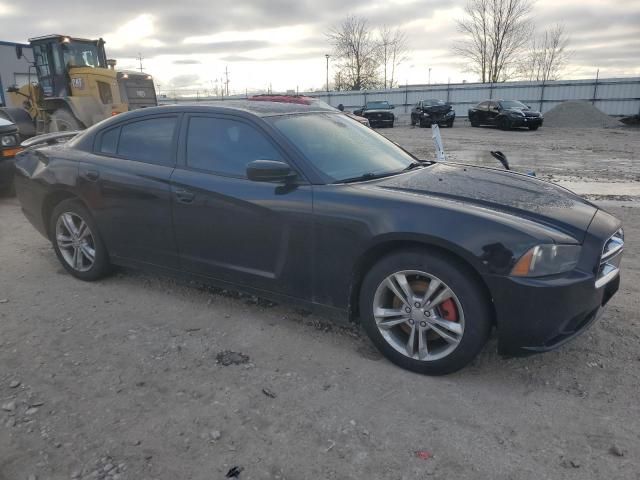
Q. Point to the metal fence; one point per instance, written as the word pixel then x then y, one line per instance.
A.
pixel 613 96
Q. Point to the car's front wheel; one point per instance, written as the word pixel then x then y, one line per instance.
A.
pixel 424 312
pixel 76 241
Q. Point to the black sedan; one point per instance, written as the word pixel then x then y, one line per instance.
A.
pixel 379 114
pixel 304 205
pixel 505 114
pixel 429 112
pixel 9 146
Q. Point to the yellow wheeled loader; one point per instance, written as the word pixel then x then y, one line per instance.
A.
pixel 73 87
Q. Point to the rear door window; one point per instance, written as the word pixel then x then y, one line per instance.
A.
pixel 149 141
pixel 109 141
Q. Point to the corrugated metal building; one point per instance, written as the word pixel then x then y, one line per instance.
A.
pixel 13 71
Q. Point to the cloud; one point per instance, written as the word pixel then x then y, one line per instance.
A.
pixel 187 61
pixel 268 40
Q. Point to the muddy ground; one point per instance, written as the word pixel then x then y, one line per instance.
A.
pixel 127 378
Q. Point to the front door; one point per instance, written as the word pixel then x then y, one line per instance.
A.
pixel 255 234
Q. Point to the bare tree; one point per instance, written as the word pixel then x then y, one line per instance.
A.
pixel 547 55
pixel 357 52
pixel 393 50
pixel 496 31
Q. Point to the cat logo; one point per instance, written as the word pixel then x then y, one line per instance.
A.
pixel 141 93
pixel 77 83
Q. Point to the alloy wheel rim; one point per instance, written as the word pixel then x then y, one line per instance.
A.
pixel 75 241
pixel 418 315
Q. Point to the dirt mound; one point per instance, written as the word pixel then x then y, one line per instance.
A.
pixel 578 114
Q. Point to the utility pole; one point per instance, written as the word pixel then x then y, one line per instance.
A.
pixel 429 75
pixel 226 82
pixel 140 58
pixel 327 57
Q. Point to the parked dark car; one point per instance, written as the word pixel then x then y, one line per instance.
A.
pixel 379 114
pixel 428 112
pixel 304 205
pixel 9 146
pixel 505 114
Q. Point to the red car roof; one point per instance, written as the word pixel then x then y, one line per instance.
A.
pixel 299 99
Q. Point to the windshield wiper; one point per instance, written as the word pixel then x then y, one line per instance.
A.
pixel 413 165
pixel 366 176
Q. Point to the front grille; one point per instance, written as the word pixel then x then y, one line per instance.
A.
pixel 609 266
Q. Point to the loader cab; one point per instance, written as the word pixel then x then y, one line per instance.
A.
pixel 55 55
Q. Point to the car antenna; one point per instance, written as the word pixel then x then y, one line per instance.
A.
pixel 502 158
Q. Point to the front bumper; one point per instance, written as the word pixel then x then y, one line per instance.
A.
pixel 537 315
pixel 374 120
pixel 526 121
pixel 437 119
pixel 540 314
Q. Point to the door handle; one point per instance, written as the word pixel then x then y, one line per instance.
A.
pixel 91 175
pixel 184 196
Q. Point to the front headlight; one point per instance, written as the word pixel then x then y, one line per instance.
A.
pixel 9 141
pixel 450 113
pixel 547 260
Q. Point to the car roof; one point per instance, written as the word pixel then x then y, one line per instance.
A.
pixel 258 108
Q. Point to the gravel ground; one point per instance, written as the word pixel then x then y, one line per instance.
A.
pixel 557 154
pixel 143 377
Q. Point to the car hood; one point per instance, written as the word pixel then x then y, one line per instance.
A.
pixel 379 110
pixel 527 112
pixel 500 190
pixel 6 126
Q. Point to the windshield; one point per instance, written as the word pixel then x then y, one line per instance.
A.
pixel 375 105
pixel 340 148
pixel 432 102
pixel 79 54
pixel 507 104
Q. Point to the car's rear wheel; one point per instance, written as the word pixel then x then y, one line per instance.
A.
pixel 76 241
pixel 424 312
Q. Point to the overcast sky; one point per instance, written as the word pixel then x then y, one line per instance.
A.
pixel 188 44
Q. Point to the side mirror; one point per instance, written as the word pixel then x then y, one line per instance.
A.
pixel 392 106
pixel 18 52
pixel 269 171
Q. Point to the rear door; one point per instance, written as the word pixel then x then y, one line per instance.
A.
pixel 492 113
pixel 256 234
pixel 126 183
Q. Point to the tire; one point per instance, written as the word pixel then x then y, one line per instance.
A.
pixel 421 123
pixel 473 123
pixel 413 121
pixel 420 268
pixel 450 124
pixel 534 127
pixel 391 126
pixel 83 268
pixel 504 124
pixel 62 120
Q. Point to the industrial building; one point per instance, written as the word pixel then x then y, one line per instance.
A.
pixel 13 71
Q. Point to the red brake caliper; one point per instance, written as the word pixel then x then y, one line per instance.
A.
pixel 448 310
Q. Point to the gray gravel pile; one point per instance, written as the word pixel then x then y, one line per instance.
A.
pixel 578 114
